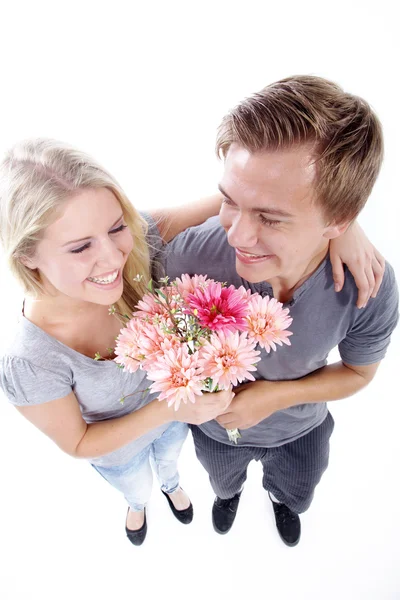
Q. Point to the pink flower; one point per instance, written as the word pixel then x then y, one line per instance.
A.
pixel 219 308
pixel 177 375
pixel 137 343
pixel 128 349
pixel 228 358
pixel 267 321
pixel 149 306
pixel 187 285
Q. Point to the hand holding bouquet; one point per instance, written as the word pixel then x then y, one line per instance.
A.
pixel 196 335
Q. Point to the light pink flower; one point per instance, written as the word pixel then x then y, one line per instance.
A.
pixel 138 343
pixel 267 321
pixel 177 375
pixel 128 349
pixel 149 306
pixel 187 285
pixel 228 358
pixel 219 308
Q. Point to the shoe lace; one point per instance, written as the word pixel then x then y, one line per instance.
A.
pixel 224 503
pixel 228 502
pixel 285 515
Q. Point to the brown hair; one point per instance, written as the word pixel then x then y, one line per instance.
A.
pixel 344 130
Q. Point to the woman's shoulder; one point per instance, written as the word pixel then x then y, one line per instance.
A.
pixel 31 368
pixel 29 342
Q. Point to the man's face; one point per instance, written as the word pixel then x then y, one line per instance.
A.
pixel 269 215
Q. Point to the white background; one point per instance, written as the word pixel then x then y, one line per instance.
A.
pixel 142 86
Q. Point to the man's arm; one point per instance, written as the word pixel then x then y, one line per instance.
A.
pixel 256 401
pixel 171 221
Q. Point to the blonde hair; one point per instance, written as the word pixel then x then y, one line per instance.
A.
pixel 344 130
pixel 36 178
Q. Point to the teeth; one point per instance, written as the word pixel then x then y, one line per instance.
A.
pixel 253 255
pixel 105 280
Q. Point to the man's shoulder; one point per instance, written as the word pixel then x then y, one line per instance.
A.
pixel 209 231
pixel 201 250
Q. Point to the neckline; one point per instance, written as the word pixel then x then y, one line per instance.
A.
pixel 55 342
pixel 264 287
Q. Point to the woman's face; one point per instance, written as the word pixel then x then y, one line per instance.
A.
pixel 82 254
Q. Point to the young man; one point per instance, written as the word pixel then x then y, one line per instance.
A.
pixel 301 158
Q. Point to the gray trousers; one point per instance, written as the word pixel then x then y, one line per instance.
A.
pixel 291 472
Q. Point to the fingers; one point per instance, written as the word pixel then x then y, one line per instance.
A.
pixel 365 284
pixel 224 397
pixel 206 408
pixel 228 421
pixel 337 272
pixel 378 267
pixel 370 280
pixel 213 405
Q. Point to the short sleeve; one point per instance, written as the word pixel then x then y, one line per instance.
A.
pixel 24 383
pixel 368 339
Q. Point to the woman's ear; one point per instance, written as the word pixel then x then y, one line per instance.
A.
pixel 28 262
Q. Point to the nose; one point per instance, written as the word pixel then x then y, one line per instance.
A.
pixel 109 256
pixel 242 232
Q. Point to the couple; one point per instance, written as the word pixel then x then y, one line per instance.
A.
pixel 301 158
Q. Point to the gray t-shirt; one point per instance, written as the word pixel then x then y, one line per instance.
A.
pixel 322 320
pixel 37 368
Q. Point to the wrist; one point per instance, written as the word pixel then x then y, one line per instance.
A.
pixel 285 395
pixel 164 414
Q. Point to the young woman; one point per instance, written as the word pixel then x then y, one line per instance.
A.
pixel 76 244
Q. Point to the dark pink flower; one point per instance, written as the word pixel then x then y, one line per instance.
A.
pixel 220 308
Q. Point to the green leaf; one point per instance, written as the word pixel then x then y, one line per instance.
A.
pixel 160 293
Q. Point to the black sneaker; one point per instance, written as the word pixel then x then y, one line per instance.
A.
pixel 224 513
pixel 287 523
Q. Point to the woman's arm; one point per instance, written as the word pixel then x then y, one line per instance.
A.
pixel 61 420
pixel 171 221
pixel 363 260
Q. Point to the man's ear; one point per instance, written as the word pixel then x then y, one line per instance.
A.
pixel 336 230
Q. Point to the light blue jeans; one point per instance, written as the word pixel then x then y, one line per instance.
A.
pixel 135 478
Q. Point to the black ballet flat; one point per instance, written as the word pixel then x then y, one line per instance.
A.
pixel 185 516
pixel 137 536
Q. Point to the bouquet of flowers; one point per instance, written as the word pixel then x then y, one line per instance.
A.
pixel 196 335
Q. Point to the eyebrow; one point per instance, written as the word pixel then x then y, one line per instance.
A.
pixel 269 210
pixel 89 236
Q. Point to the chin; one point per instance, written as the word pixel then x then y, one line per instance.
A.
pixel 106 298
pixel 253 274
